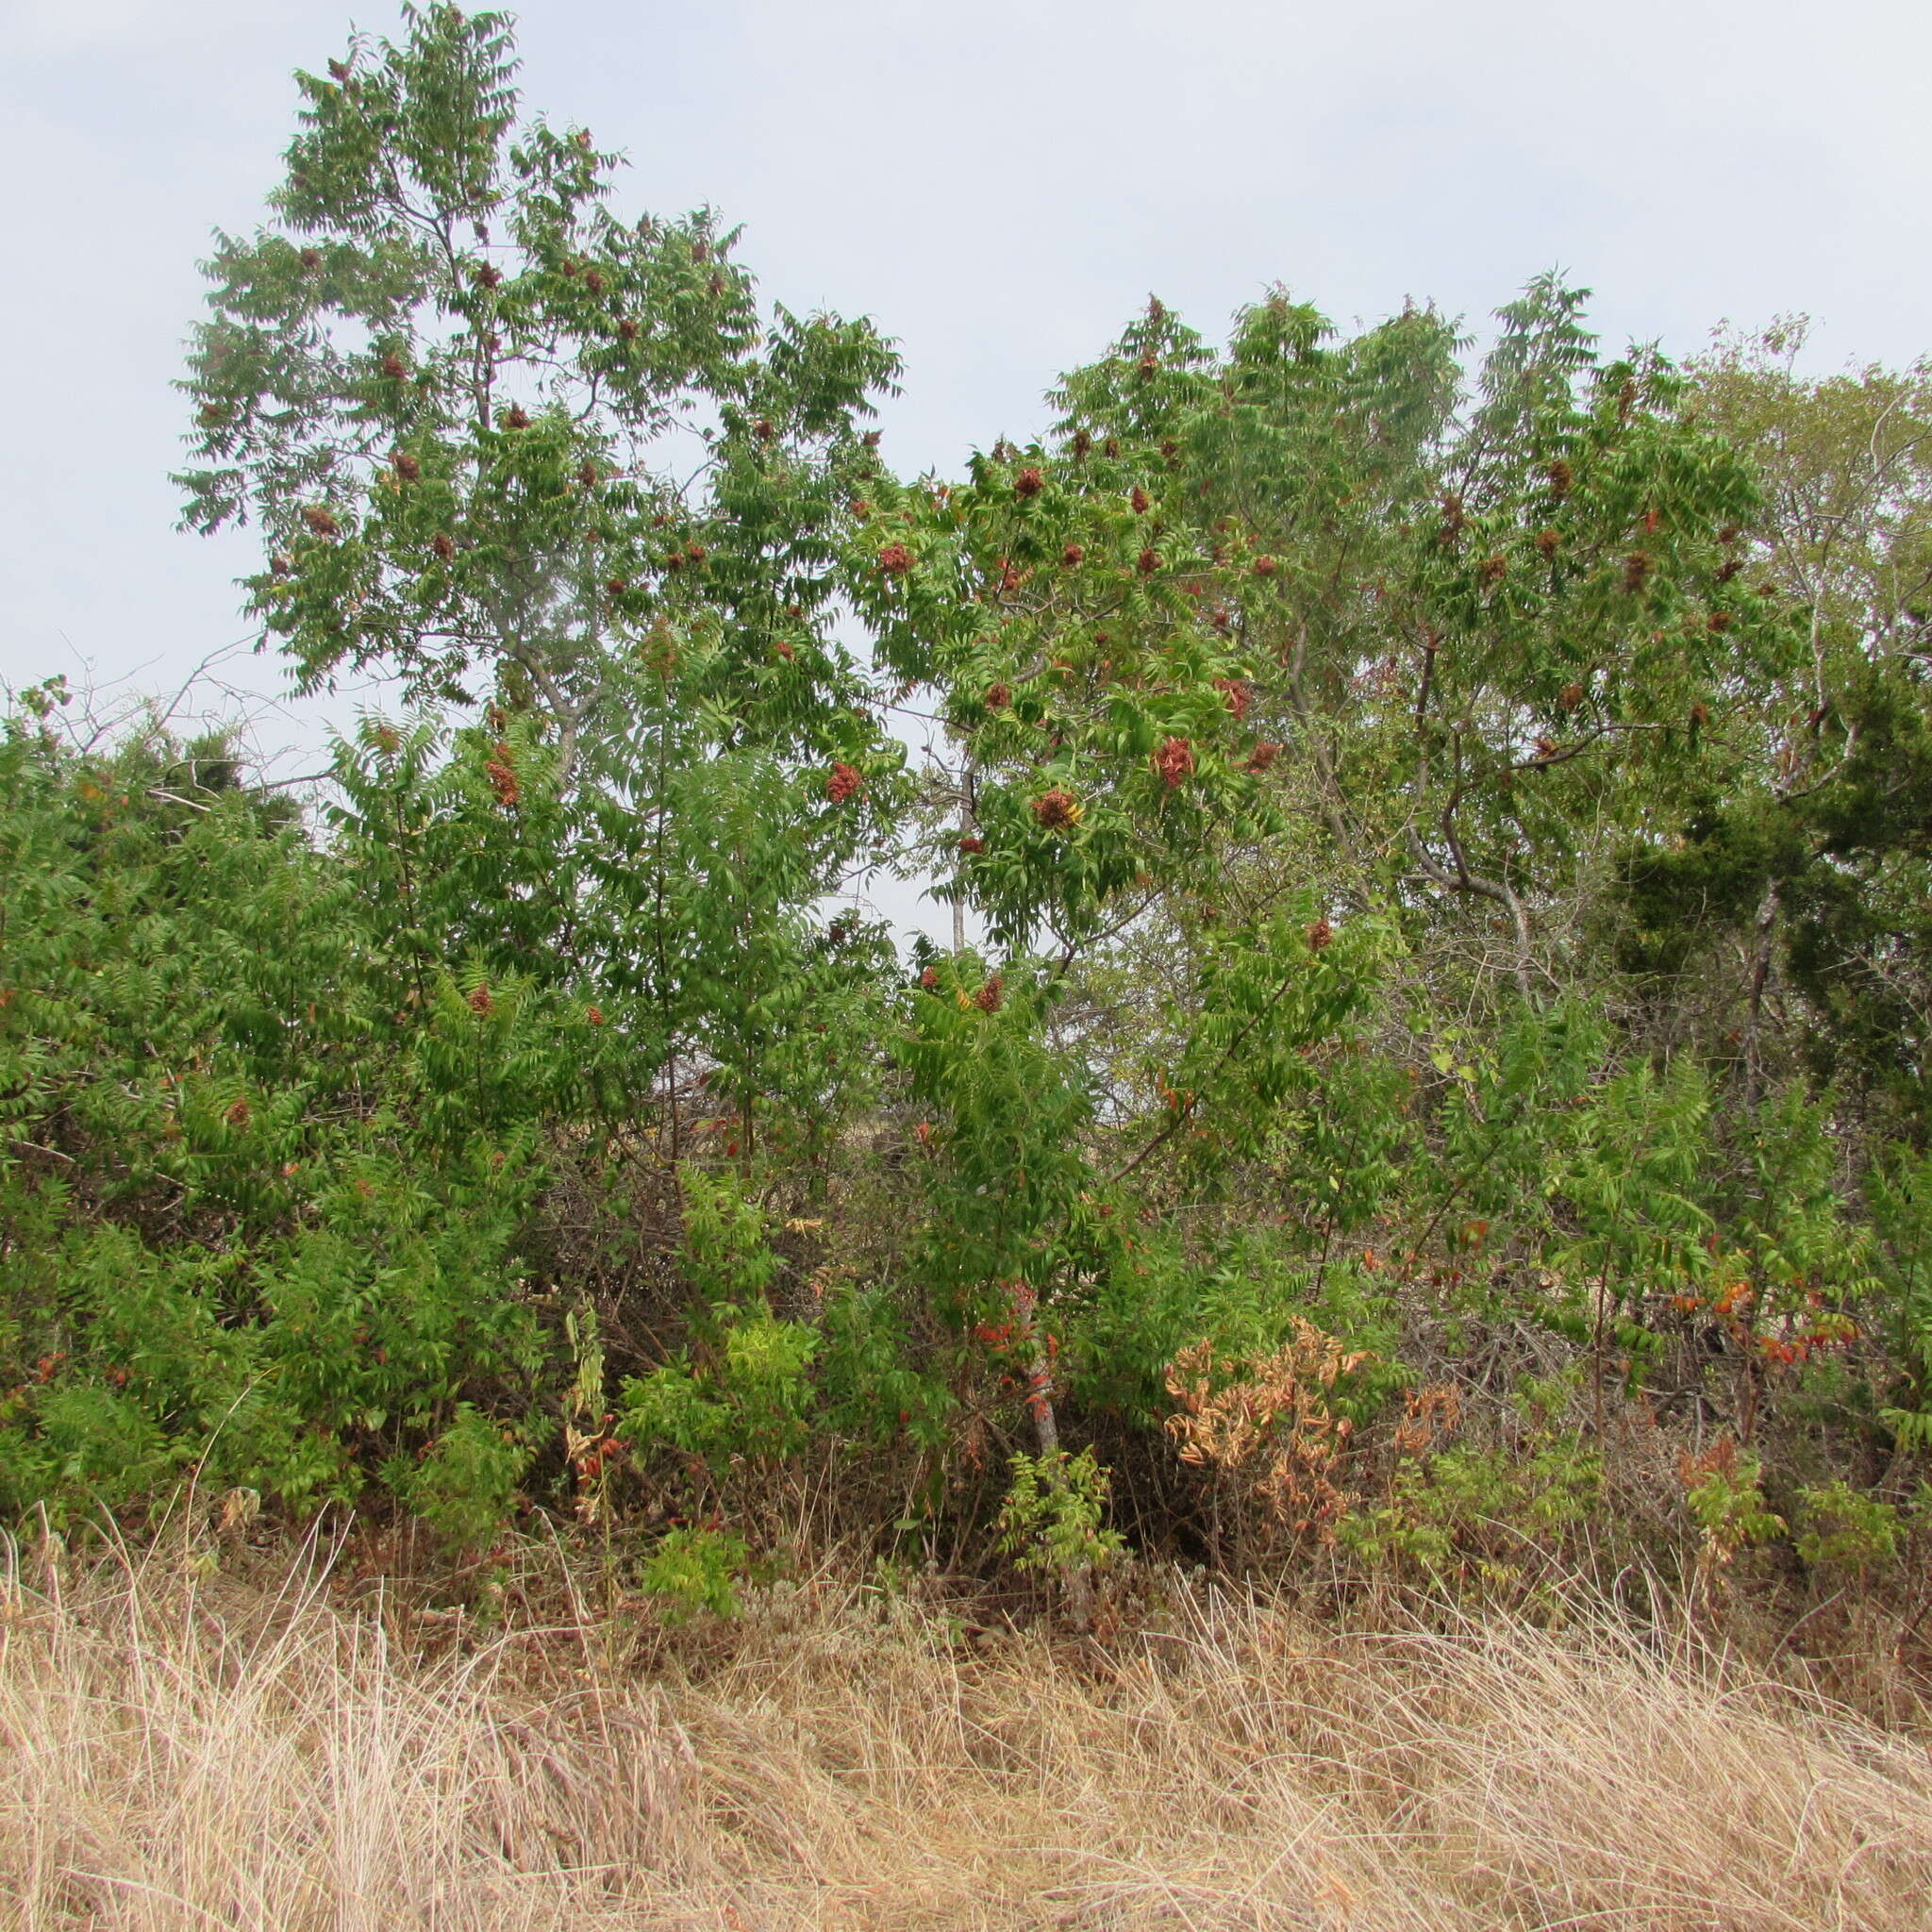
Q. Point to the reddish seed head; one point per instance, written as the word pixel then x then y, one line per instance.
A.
pixel 989 996
pixel 1057 810
pixel 593 281
pixel 696 551
pixel 280 564
pixel 310 258
pixel 783 648
pixel 929 979
pixel 338 69
pixel 1149 365
pixel 489 275
pixel 480 1001
pixel 870 438
pixel 674 561
pixel 1029 482
pixel 1560 478
pixel 444 546
pixel 896 560
pixel 1138 500
pixel 515 418
pixel 503 777
pixel 237 1115
pixel 595 1016
pixel 1112 447
pixel 627 330
pixel 1265 566
pixel 1238 695
pixel 1636 571
pixel 1081 444
pixel 1072 553
pixel 1175 761
pixel 998 696
pixel 1570 696
pixel 394 367
pixel 1148 562
pixel 1263 755
pixel 859 507
pixel 845 780
pixel 1700 716
pixel 587 475
pixel 1494 569
pixel 1548 541
pixel 1319 934
pixel 321 522
pixel 1218 618
pixel 1718 621
pixel 971 844
pixel 407 467
pixel 1546 748
pixel 617 586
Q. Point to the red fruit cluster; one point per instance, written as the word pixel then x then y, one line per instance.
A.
pixel 407 467
pixel 237 1115
pixel 1081 444
pixel 1570 696
pixel 1265 566
pixel 1319 934
pixel 1560 478
pixel 1072 553
pixel 480 1001
pixel 444 546
pixel 998 696
pixel 1637 568
pixel 627 330
pixel 489 275
pixel 310 258
pixel 845 780
pixel 1238 695
pixel 595 282
pixel 595 1016
pixel 1493 570
pixel 394 367
pixel 1548 541
pixel 1263 755
pixel 501 773
pixel 515 418
pixel 1138 500
pixel 972 845
pixel 1148 562
pixel 929 979
pixel 1028 482
pixel 896 560
pixel 989 996
pixel 1175 761
pixel 1057 810
pixel 321 522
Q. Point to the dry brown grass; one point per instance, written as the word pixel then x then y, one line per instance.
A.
pixel 178 1754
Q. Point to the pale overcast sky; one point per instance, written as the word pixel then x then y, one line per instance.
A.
pixel 1000 185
